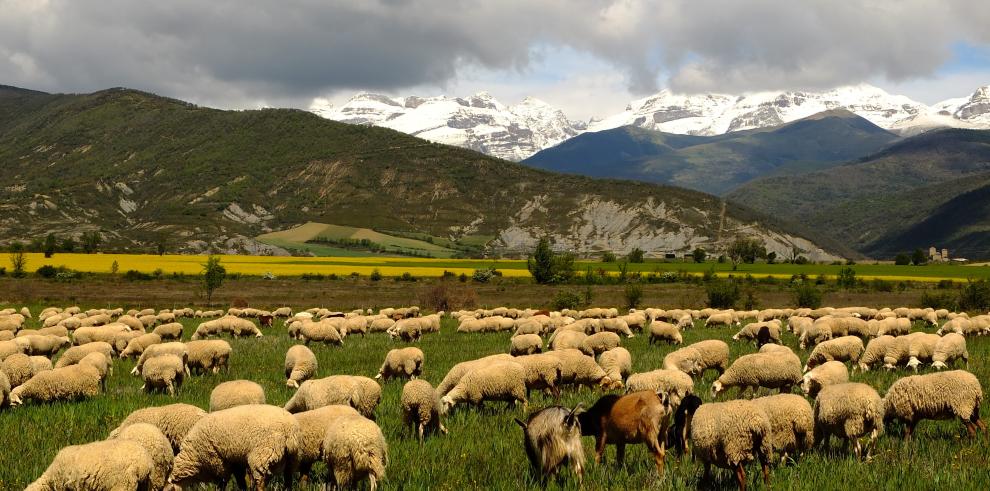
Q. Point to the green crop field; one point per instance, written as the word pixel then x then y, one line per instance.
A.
pixel 484 448
pixel 318 239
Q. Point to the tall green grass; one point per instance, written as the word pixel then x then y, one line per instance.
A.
pixel 484 449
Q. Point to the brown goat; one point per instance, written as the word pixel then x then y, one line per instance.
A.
pixel 552 438
pixel 640 417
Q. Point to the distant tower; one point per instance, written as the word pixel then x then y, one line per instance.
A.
pixel 933 254
pixel 945 254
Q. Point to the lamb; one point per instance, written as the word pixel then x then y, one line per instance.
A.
pixel 355 448
pixel 158 447
pixel 940 395
pixel 675 384
pixel 260 438
pixel 525 344
pixel 69 383
pixel 640 417
pixel 714 355
pixel 851 411
pixel 580 369
pixel 792 422
pixel 300 365
pixel 666 332
pixel 828 373
pixel 164 372
pixel 137 345
pixel 174 348
pixel 552 438
pixel 42 345
pixel 169 332
pixel 74 354
pixel 500 381
pixel 617 364
pixel 236 393
pixel 105 465
pixel 361 393
pixel 845 348
pixel 421 408
pixel 313 428
pixel 459 370
pixel 402 362
pixel 948 349
pixel 174 420
pixel 598 343
pixel 209 355
pixel 731 434
pixel 756 370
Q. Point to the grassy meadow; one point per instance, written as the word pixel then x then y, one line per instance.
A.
pixel 484 449
pixel 342 265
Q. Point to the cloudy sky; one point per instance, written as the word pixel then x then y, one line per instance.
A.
pixel 589 57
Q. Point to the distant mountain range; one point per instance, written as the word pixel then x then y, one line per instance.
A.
pixel 720 163
pixel 144 169
pixel 516 132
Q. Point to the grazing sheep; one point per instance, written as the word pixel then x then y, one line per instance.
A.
pixel 407 330
pixel 731 434
pixel 459 370
pixel 320 332
pixel 675 384
pixel 169 332
pixel 686 359
pixel 543 372
pixel 260 439
pixel 756 370
pixel 940 395
pixel 4 390
pixel 598 343
pixel 402 362
pixel 751 331
pixel 17 368
pixel 313 429
pixel 639 417
pixel 101 363
pixel 850 411
pixel 552 438
pixel 874 352
pixel 105 333
pixel 74 354
pixel 209 355
pixel 500 381
pixel 174 420
pixel 525 344
pixel 6 335
pixel 721 319
pixel 236 393
pixel 69 383
pixel 361 393
pixel 714 355
pixel 158 447
pixel 561 340
pixel 421 408
pixel 121 340
pixel 950 348
pixel 109 465
pixel 580 369
pixel 899 351
pixel 666 332
pixel 617 364
pixel 300 365
pixel 775 348
pixel 618 326
pixel 845 348
pixel 828 373
pixel 37 344
pixel 792 422
pixel 165 372
pixel 355 448
pixel 133 322
pixel 137 345
pixel 177 349
pixel 921 349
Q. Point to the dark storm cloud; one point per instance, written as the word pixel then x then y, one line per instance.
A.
pixel 232 51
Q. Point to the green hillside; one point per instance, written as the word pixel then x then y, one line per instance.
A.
pixel 717 164
pixel 144 169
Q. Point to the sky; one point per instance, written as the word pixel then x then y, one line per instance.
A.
pixel 589 57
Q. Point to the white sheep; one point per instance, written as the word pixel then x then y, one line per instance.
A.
pixel 74 354
pixel 845 348
pixel 401 362
pixel 940 395
pixel 828 373
pixel 158 447
pixel 617 364
pixel 69 383
pixel 675 383
pixel 313 429
pixel 421 408
pixel 300 365
pixel 525 344
pixel 236 393
pixel 208 355
pixel 665 331
pixel 792 421
pixel 731 434
pixel 500 381
pixel 770 370
pixel 600 342
pixel 581 370
pixel 950 348
pixel 108 465
pixel 851 411
pixel 355 448
pixel 165 372
pixel 174 420
pixel 457 371
pixel 361 393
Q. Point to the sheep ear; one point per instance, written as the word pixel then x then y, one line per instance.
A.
pixel 521 423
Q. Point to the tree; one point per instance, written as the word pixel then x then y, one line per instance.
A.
pixel 91 241
pixel 699 255
pixel 68 245
pixel 771 257
pixel 18 260
pixel 746 250
pixel 608 257
pixel 918 257
pixel 902 259
pixel 162 246
pixel 51 243
pixel 548 267
pixel 213 276
pixel 636 255
pixel 846 278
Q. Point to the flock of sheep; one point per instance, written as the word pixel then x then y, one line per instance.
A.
pixel 332 419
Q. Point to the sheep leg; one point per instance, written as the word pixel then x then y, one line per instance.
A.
pixel 372 482
pixel 970 428
pixel 741 476
pixel 620 454
pixel 421 425
pixel 599 448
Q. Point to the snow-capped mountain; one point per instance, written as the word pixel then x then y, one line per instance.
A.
pixel 482 123
pixel 479 122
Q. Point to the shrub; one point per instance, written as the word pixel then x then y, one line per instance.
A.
pixel 722 294
pixel 135 275
pixel 807 295
pixel 749 300
pixel 633 295
pixel 485 275
pixel 882 285
pixel 902 260
pixel 699 255
pixel 406 277
pixel 975 296
pixel 566 300
pixel 637 255
pixel 938 300
pixel 47 271
pixel 375 275
pixel 212 277
pixel 447 296
pixel 708 275
pixel 846 278
pixel 801 260
pixel 945 284
pixel 608 257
